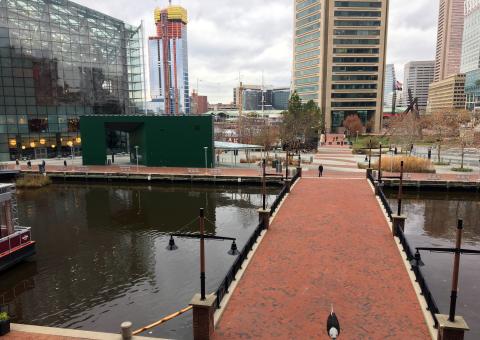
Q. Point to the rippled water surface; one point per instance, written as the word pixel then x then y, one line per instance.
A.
pixel 431 222
pixel 102 259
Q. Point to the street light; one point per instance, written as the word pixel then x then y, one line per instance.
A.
pixel 458 251
pixel 136 154
pixel 202 236
pixel 206 158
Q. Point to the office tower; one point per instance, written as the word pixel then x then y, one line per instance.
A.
pixel 389 86
pixel 168 60
pixel 280 98
pixel 339 58
pixel 418 76
pixel 449 38
pixel 60 60
pixel 447 94
pixel 471 54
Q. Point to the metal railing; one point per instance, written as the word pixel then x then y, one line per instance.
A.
pixel 243 256
pixel 237 265
pixel 419 277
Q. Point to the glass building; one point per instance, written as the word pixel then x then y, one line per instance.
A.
pixel 471 54
pixel 60 60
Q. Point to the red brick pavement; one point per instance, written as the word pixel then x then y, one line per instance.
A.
pixel 330 243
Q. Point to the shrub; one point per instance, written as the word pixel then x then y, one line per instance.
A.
pixel 462 169
pixel 33 181
pixel 410 164
pixel 4 316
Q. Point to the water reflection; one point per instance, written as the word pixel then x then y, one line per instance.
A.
pixel 102 259
pixel 431 222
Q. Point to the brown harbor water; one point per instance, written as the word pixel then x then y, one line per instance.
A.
pixel 431 222
pixel 102 259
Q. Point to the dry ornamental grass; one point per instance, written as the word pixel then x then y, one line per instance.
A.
pixel 410 164
pixel 33 181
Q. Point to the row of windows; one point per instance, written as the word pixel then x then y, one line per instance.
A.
pixel 308 97
pixel 51 111
pixel 356 41
pixel 308 29
pixel 307 46
pixel 308 11
pixel 354 77
pixel 306 72
pixel 308 20
pixel 355 68
pixel 355 60
pixel 303 89
pixel 354 23
pixel 358 4
pixel 357 32
pixel 307 37
pixel 307 55
pixel 357 50
pixel 354 95
pixel 354 104
pixel 367 14
pixel 306 3
pixel 314 62
pixel 307 80
pixel 354 86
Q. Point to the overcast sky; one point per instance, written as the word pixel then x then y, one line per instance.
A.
pixel 246 37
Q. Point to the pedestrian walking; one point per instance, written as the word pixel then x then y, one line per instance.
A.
pixel 17 162
pixel 429 153
pixel 29 164
pixel 65 163
pixel 320 170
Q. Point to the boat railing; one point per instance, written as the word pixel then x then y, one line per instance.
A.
pixel 21 236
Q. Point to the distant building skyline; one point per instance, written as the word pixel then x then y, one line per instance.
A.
pixel 168 60
pixel 388 88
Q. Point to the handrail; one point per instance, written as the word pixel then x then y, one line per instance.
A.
pixel 419 278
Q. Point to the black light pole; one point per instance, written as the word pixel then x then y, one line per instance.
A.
pixel 458 251
pixel 400 190
pixel 380 165
pixel 202 236
pixel 202 254
pixel 299 159
pixel 370 156
pixel 286 167
pixel 264 185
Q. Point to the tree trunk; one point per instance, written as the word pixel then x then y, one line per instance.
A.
pixel 463 153
pixel 439 147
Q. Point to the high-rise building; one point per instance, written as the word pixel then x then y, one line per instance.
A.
pixel 168 55
pixel 471 54
pixel 256 98
pixel 199 104
pixel 280 98
pixel 418 76
pixel 339 58
pixel 449 38
pixel 447 94
pixel 59 61
pixel 389 87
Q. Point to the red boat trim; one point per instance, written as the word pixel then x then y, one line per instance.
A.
pixel 8 252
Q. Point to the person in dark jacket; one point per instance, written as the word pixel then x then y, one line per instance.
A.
pixel 320 170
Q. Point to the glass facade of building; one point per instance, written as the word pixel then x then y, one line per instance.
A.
pixel 60 60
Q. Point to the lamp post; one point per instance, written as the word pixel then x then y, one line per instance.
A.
pixel 136 155
pixel 380 165
pixel 203 236
pixel 400 191
pixel 458 251
pixel 286 166
pixel 206 158
pixel 264 185
pixel 370 155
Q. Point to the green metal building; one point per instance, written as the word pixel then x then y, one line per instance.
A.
pixel 164 141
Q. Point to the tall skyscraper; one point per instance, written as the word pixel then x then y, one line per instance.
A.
pixel 168 55
pixel 449 38
pixel 339 58
pixel 388 87
pixel 418 76
pixel 471 54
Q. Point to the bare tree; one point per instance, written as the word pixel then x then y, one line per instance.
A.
pixel 353 124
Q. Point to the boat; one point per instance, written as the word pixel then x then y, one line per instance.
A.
pixel 16 242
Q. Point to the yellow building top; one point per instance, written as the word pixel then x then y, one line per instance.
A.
pixel 174 13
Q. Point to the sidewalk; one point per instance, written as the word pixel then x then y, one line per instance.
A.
pixel 329 244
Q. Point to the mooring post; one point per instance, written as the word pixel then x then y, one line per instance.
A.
pixel 264 217
pixel 288 184
pixel 126 330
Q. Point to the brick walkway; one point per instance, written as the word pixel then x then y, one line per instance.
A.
pixel 329 243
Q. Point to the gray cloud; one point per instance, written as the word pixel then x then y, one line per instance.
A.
pixel 250 36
